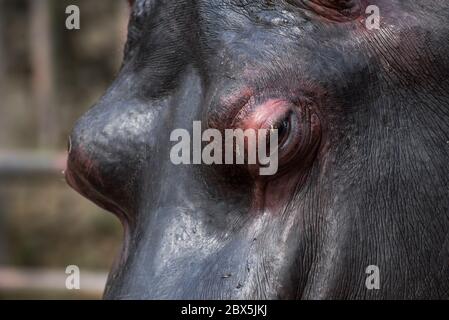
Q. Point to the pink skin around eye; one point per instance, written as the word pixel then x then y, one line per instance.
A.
pixel 266 115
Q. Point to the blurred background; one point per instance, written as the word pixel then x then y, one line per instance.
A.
pixel 50 76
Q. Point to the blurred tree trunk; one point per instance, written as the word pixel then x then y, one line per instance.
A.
pixel 3 235
pixel 2 84
pixel 2 53
pixel 43 71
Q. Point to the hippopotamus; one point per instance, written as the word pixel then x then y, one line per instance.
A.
pixel 362 115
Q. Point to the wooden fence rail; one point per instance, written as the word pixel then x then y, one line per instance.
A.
pixel 28 165
pixel 16 279
pixel 31 164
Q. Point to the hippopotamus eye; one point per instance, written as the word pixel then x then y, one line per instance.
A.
pixel 283 127
pixel 290 136
pixel 297 127
pixel 337 10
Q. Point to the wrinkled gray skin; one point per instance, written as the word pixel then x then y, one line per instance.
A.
pixel 370 187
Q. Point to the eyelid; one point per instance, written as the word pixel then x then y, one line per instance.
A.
pixel 266 114
pixel 340 11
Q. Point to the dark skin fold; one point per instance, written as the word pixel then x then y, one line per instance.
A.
pixel 363 159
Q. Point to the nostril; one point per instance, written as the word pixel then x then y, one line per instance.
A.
pixel 69 145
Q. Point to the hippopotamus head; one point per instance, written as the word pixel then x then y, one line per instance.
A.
pixel 361 113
